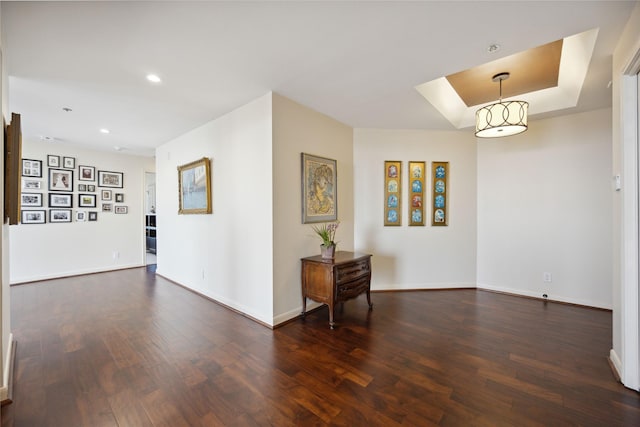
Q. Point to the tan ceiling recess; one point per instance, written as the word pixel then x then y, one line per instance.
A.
pixel 531 70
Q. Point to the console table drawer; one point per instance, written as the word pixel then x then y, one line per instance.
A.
pixel 352 289
pixel 349 272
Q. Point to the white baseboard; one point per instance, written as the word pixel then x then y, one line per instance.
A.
pixel 421 286
pixel 37 278
pixel 616 363
pixel 292 314
pixel 551 297
pixel 7 372
pixel 231 304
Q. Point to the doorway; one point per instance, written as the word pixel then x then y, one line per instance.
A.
pixel 150 228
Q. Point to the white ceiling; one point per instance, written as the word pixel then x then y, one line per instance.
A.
pixel 358 62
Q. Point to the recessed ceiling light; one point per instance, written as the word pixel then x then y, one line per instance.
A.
pixel 153 78
pixel 67 109
pixel 494 47
pixel 46 138
pixel 104 130
pixel 117 148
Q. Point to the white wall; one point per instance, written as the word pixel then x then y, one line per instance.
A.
pixel 544 206
pixel 43 251
pixel 416 257
pixel 227 255
pixel 298 129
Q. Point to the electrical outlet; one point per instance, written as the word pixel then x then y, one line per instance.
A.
pixel 546 277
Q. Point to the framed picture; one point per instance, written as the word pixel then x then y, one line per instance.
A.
pixel 69 162
pixel 60 200
pixel 91 188
pixel 105 195
pixel 86 173
pixel 59 215
pixel 86 200
pixel 53 161
pixel 82 187
pixel 31 184
pixel 81 216
pixel 32 168
pixel 119 197
pixel 392 192
pixel 107 207
pixel 194 187
pixel 31 199
pixel 440 175
pixel 93 216
pixel 319 189
pixel 416 193
pixel 110 179
pixel 60 180
pixel 12 149
pixel 33 217
pixel 121 209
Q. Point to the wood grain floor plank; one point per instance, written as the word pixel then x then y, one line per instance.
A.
pixel 128 348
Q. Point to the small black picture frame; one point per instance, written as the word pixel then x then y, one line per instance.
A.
pixel 53 161
pixel 86 173
pixel 60 215
pixel 33 217
pixel 60 200
pixel 32 168
pixel 31 200
pixel 60 180
pixel 110 179
pixel 69 162
pixel 86 200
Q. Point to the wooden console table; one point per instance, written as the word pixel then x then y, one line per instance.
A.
pixel 330 281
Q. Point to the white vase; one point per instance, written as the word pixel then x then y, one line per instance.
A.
pixel 328 252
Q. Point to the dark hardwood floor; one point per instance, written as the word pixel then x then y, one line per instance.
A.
pixel 128 348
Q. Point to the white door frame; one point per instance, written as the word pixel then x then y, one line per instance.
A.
pixel 630 298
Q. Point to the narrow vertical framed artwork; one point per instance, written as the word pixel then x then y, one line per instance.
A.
pixel 392 192
pixel 319 189
pixel 416 193
pixel 440 199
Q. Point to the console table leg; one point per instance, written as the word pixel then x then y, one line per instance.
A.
pixel 304 307
pixel 331 322
pixel 369 299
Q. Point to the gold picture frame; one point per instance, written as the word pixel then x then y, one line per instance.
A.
pixel 392 193
pixel 416 193
pixel 440 196
pixel 194 187
pixel 319 189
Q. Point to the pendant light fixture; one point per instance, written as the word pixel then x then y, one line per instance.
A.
pixel 502 118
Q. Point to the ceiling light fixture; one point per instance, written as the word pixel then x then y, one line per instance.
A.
pixel 502 118
pixel 493 48
pixel 153 78
pixel 105 131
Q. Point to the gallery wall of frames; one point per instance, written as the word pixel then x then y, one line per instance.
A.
pixel 61 189
pixel 417 184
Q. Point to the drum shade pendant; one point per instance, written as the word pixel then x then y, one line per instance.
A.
pixel 502 118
